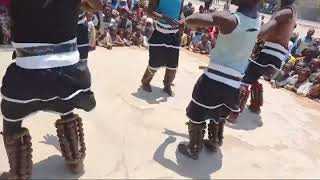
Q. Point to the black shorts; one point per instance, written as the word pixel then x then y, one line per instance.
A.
pixel 164 50
pixel 83 41
pixel 266 64
pixel 212 100
pixel 26 91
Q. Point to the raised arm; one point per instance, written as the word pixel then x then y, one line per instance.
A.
pixel 280 17
pixel 224 20
pixel 91 6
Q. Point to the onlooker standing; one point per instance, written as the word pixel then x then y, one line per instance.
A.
pixel 306 41
pixel 207 5
pixel 4 24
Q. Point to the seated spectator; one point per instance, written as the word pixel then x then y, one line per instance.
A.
pixel 116 40
pixel 314 92
pixel 137 37
pixel 92 32
pixel 4 25
pixel 149 28
pixel 201 9
pixel 281 78
pixel 299 65
pixel 122 4
pixel 315 69
pixel 196 37
pixel 108 19
pixel 116 16
pixel 121 34
pixel 138 10
pixel 128 38
pixel 124 22
pixel 188 9
pixel 204 46
pixel 306 41
pixel 184 37
pixel 114 4
pixel 299 83
pixel 105 40
pixel 291 59
pixel 309 53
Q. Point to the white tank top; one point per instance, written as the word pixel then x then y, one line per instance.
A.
pixel 232 51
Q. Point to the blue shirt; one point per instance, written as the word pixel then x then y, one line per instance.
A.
pixel 170 8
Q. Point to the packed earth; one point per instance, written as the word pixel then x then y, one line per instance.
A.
pixel 143 115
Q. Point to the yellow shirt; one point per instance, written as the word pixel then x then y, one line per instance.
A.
pixel 293 60
pixel 184 39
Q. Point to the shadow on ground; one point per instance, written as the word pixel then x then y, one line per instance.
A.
pixel 207 164
pixel 247 121
pixel 53 167
pixel 157 95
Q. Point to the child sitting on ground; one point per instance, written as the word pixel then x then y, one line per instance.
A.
pixel 281 78
pixel 299 83
pixel 196 38
pixel 314 92
pixel 128 38
pixel 204 46
pixel 116 40
pixel 298 66
pixel 104 39
pixel 137 37
pixel 315 69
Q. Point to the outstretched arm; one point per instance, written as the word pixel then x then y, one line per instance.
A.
pixel 280 17
pixel 91 6
pixel 224 20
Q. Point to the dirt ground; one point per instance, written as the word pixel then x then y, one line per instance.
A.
pixel 133 134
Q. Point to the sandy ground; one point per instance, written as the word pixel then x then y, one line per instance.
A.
pixel 133 134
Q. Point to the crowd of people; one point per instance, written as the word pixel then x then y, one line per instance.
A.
pixel 4 23
pixel 121 23
pixel 301 72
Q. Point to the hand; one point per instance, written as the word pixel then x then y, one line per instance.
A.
pixel 171 139
pixel 273 84
pixel 244 89
pixel 172 22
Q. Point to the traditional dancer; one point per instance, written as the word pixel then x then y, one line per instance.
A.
pixel 216 94
pixel 276 34
pixel 47 75
pixel 164 42
pixel 256 89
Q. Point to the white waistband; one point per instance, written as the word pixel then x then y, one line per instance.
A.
pixel 83 20
pixel 274 53
pixel 224 80
pixel 25 45
pixel 46 61
pixel 276 46
pixel 227 81
pixel 226 70
pixel 166 31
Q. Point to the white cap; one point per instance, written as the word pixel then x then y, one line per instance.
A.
pixel 149 20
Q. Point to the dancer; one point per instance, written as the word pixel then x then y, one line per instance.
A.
pixel 276 34
pixel 216 94
pixel 164 42
pixel 47 75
